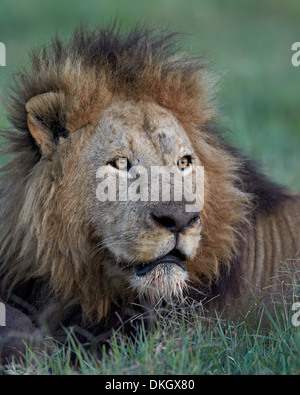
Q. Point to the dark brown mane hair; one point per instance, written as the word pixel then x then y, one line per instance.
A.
pixel 96 64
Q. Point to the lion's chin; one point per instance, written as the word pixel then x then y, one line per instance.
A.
pixel 166 281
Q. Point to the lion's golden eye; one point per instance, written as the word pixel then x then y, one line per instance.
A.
pixel 120 163
pixel 184 162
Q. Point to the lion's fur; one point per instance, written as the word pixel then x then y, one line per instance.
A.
pixel 248 224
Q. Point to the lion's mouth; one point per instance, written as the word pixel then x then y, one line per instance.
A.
pixel 174 257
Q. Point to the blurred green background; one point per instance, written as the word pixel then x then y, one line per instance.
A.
pixel 249 42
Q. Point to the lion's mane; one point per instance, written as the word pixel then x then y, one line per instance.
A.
pixel 39 245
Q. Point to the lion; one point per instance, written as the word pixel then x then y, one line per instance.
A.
pixel 116 102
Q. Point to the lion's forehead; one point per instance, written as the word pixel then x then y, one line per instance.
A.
pixel 143 128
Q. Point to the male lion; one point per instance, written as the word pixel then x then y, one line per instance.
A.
pixel 115 102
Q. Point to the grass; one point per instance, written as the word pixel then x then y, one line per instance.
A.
pixel 184 341
pixel 184 344
pixel 249 43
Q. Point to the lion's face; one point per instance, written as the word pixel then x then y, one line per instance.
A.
pixel 147 240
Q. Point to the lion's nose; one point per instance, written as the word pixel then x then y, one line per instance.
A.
pixel 173 218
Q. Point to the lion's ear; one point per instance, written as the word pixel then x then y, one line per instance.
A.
pixel 45 120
